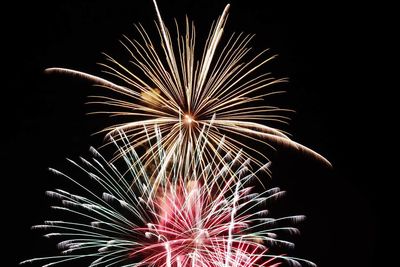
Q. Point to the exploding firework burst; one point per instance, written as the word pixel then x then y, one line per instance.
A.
pixel 166 85
pixel 182 223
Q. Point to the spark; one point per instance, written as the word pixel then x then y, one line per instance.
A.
pixel 166 85
pixel 185 223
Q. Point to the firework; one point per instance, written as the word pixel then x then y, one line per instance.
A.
pixel 182 223
pixel 166 85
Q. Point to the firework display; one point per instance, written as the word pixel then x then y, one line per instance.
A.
pixel 185 186
pixel 165 85
pixel 184 223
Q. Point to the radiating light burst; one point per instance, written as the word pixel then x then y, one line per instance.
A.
pixel 165 84
pixel 200 220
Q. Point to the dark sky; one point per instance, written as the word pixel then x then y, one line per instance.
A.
pixel 327 50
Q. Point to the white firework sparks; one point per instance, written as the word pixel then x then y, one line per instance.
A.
pixel 183 223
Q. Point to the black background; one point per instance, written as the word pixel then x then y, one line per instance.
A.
pixel 328 51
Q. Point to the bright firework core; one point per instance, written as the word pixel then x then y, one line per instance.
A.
pixel 188 119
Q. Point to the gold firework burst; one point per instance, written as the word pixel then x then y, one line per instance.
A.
pixel 218 95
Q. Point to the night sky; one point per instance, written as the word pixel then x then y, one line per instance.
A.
pixel 326 50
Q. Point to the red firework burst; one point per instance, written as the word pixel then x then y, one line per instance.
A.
pixel 195 229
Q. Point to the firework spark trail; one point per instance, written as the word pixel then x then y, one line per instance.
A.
pixel 181 94
pixel 183 224
pixel 186 200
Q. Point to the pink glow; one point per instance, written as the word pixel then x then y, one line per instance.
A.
pixel 192 229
